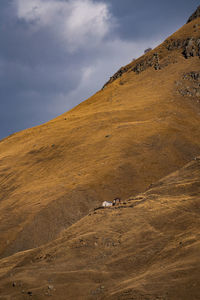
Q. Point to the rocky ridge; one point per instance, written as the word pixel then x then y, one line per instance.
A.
pixel 195 15
pixel 160 58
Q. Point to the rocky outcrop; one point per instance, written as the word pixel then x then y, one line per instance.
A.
pixel 174 44
pixel 195 15
pixel 118 74
pixel 192 76
pixel 190 46
pixel 152 61
pixel 190 85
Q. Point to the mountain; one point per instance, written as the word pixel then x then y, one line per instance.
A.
pixel 145 248
pixel 142 126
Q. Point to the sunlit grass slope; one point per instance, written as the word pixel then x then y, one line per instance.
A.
pixel 135 131
pixel 146 248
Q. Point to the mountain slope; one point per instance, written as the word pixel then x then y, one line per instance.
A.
pixel 143 125
pixel 146 248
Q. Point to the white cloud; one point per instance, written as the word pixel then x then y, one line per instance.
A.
pixel 78 23
pixel 64 54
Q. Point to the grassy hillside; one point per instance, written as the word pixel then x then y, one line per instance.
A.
pixel 142 126
pixel 146 248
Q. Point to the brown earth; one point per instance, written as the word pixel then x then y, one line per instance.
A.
pixel 143 125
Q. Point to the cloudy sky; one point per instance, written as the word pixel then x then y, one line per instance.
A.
pixel 56 53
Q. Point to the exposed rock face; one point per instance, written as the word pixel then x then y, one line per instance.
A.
pixel 189 47
pixel 192 48
pixel 192 76
pixel 190 85
pixel 153 61
pixel 195 15
pixel 174 44
pixel 118 74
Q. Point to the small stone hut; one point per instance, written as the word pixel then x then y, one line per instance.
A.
pixel 116 201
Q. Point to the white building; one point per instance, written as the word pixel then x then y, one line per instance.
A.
pixel 107 203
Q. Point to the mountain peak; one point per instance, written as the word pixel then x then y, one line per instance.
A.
pixel 195 15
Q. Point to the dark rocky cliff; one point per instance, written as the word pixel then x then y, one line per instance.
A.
pixel 195 15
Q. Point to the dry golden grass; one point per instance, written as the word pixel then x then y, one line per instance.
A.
pixel 133 133
pixel 146 248
pixel 127 136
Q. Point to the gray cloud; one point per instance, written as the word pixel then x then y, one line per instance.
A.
pixel 56 53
